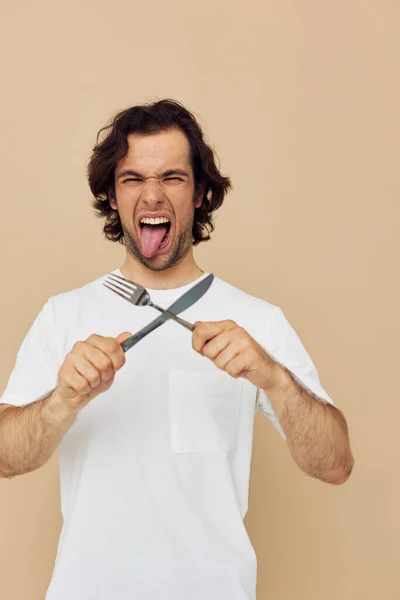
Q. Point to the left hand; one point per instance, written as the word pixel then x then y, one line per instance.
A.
pixel 233 350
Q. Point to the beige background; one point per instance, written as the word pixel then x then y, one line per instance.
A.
pixel 301 100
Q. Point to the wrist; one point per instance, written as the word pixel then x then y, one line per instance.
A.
pixel 277 378
pixel 59 407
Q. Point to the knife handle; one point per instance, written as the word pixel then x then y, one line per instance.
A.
pixel 136 337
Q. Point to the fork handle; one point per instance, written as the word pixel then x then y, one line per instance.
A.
pixel 171 315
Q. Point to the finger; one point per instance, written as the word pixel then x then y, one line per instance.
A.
pixel 100 361
pixel 110 347
pixel 86 369
pixel 216 345
pixel 204 332
pixel 237 366
pixel 75 382
pixel 235 335
pixel 123 336
pixel 226 356
pixel 71 379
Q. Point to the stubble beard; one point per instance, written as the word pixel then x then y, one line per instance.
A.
pixel 181 246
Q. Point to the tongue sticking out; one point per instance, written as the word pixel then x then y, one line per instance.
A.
pixel 152 236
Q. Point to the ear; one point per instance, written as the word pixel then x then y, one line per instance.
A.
pixel 111 199
pixel 198 199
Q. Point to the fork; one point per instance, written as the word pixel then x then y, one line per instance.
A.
pixel 139 296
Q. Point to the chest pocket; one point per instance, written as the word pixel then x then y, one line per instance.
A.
pixel 204 411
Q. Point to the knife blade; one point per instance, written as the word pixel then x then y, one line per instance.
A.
pixel 184 302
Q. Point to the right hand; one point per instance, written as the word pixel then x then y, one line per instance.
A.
pixel 89 369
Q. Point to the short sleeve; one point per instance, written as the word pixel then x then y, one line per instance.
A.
pixel 284 346
pixel 35 372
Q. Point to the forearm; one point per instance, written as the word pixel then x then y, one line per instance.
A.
pixel 317 433
pixel 29 435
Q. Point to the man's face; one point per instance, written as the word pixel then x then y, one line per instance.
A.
pixel 155 198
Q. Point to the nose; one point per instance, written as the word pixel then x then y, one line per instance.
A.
pixel 152 193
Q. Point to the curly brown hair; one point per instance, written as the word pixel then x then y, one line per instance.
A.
pixel 112 145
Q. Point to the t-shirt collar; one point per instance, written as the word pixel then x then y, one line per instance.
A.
pixel 170 295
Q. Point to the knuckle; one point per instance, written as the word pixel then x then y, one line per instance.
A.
pixel 219 363
pixel 104 363
pixel 230 322
pixel 200 331
pixel 232 371
pixel 77 347
pixel 63 375
pixel 108 377
pixel 82 389
pixel 121 359
pixel 238 332
pixel 243 344
pixel 64 366
pixel 94 380
pixel 93 338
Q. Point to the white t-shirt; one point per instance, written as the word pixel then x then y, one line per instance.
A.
pixel 155 471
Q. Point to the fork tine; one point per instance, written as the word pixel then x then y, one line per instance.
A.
pixel 126 285
pixel 121 281
pixel 117 276
pixel 120 287
pixel 122 293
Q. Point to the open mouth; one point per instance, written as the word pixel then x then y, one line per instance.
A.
pixel 155 234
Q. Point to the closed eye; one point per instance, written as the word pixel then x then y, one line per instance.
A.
pixel 173 179
pixel 138 180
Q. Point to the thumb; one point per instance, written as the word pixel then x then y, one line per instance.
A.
pixel 123 336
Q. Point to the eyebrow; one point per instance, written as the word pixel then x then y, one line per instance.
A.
pixel 129 172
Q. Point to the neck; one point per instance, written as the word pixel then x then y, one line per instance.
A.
pixel 178 275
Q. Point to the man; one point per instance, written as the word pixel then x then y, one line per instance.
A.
pixel 156 443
